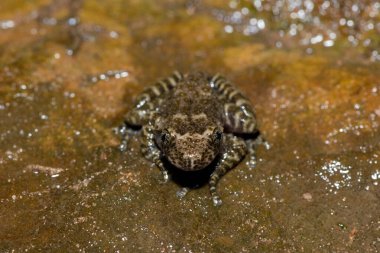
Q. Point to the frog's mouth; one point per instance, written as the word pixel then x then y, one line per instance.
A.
pixel 191 161
pixel 188 164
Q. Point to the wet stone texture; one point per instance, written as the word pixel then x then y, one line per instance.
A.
pixel 70 69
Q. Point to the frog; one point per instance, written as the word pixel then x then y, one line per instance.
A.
pixel 193 121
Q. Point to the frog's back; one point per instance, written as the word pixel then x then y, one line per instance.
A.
pixel 192 103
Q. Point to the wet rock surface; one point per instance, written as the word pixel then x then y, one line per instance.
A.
pixel 70 69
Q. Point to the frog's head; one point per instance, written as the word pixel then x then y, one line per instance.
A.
pixel 190 151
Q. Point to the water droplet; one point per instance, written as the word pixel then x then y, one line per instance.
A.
pixel 228 29
pixel 7 24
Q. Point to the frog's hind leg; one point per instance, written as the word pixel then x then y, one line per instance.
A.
pixel 239 115
pixel 252 145
pixel 151 151
pixel 146 103
pixel 234 152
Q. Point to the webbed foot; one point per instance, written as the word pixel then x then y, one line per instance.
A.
pixel 164 177
pixel 182 192
pixel 216 200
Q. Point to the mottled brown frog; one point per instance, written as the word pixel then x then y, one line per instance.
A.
pixel 192 121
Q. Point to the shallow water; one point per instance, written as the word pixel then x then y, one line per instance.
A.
pixel 69 71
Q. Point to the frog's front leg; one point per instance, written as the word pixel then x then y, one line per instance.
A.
pixel 151 152
pixel 147 102
pixel 145 107
pixel 234 151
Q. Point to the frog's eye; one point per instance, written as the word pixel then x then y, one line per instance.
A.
pixel 165 136
pixel 217 135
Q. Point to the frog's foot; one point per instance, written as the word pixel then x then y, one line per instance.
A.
pixel 266 144
pixel 120 130
pixel 123 145
pixel 251 153
pixel 251 161
pixel 164 177
pixel 126 133
pixel 216 200
pixel 123 132
pixel 260 140
pixel 182 192
pixel 126 130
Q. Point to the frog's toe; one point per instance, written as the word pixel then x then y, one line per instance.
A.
pixel 251 161
pixel 262 141
pixel 267 145
pixel 216 200
pixel 164 177
pixel 123 145
pixel 121 130
pixel 182 192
